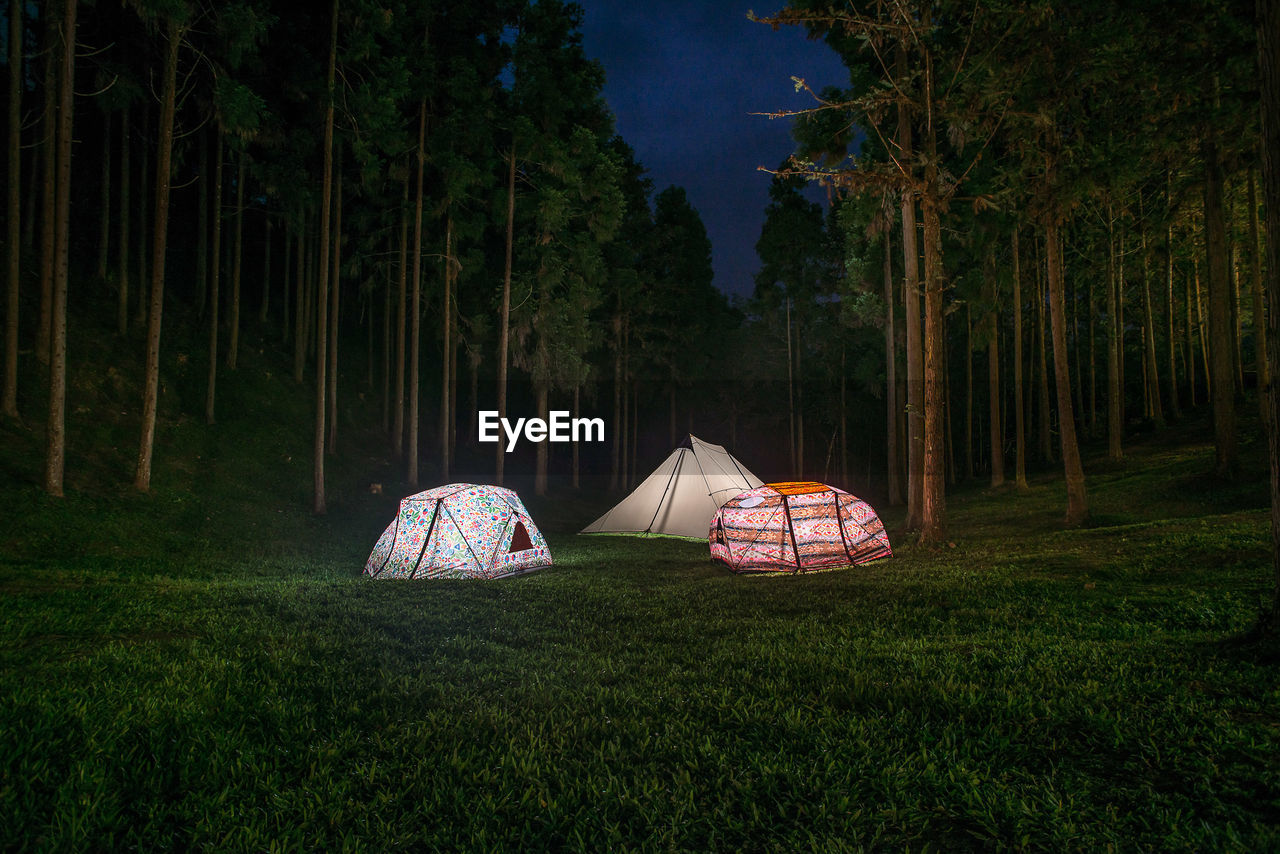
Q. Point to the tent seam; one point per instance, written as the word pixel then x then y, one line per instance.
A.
pixel 844 540
pixel 435 514
pixel 391 550
pixel 791 528
pixel 465 541
pixel 497 547
pixel 759 531
pixel 701 471
pixel 666 489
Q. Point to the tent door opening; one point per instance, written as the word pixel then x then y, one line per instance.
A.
pixel 520 539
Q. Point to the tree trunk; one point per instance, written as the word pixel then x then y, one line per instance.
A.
pixel 56 447
pixel 446 334
pixel 1120 281
pixel 504 316
pixel 614 445
pixel 334 307
pixel 1202 327
pixel 635 426
pixel 932 493
pixel 671 409
pixel 402 275
pixel 202 227
pixel 300 302
pixel 968 394
pixel 386 354
pixel 540 467
pixel 1237 308
pixel 624 432
pixel 144 227
pixel 319 505
pixel 266 270
pixel 1268 27
pixel 900 422
pixel 284 282
pixel 48 215
pixel 844 422
pixel 1174 407
pixel 415 305
pixel 791 396
pixel 799 374
pixel 1046 443
pixel 915 351
pixel 473 362
pixel 993 377
pixel 14 213
pixel 1115 394
pixel 1149 324
pixel 890 384
pixel 104 211
pixel 309 323
pixel 1190 360
pixel 1222 381
pixel 29 204
pixel 164 150
pixel 1093 359
pixel 1077 384
pixel 576 409
pixel 1259 304
pixel 1019 414
pixel 1029 386
pixel 237 255
pixel 948 420
pixel 122 241
pixel 215 281
pixel 933 497
pixel 453 375
pixel 369 327
pixel 1142 358
pixel 1077 501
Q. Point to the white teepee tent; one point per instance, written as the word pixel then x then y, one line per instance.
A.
pixel 682 495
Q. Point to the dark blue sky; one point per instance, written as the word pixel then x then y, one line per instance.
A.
pixel 683 78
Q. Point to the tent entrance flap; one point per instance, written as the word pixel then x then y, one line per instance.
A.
pixel 520 539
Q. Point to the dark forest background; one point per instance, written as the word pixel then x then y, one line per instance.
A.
pixel 1044 226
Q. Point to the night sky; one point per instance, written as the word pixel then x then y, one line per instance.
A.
pixel 683 78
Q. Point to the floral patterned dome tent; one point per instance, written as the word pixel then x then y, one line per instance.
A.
pixel 459 531
pixel 796 526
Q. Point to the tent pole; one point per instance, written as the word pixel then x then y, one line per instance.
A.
pixel 844 539
pixel 391 550
pixel 435 514
pixel 792 530
pixel 666 489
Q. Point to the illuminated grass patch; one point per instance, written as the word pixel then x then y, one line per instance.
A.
pixel 1031 687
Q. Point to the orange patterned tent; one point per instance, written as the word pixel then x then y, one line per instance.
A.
pixel 796 526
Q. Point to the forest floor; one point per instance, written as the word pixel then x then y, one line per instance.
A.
pixel 205 667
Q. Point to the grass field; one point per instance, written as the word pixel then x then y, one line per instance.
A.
pixel 206 669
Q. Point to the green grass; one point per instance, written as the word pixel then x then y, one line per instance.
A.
pixel 204 668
